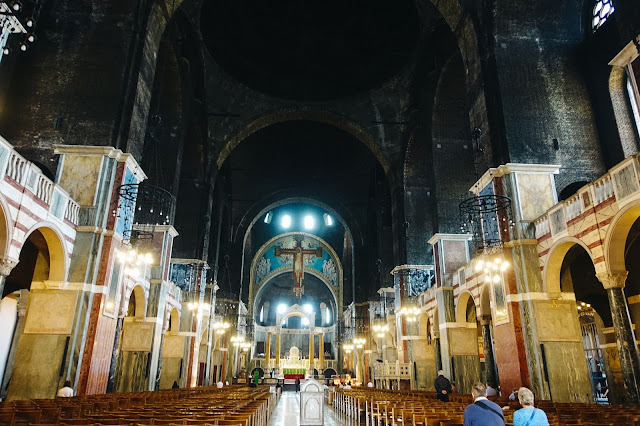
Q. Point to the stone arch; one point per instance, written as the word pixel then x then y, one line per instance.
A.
pixel 485 300
pixel 174 320
pixel 6 228
pixel 461 306
pixel 140 301
pixel 305 114
pixel 622 111
pixel 259 290
pixel 424 324
pixel 58 256
pixel 616 237
pixel 553 263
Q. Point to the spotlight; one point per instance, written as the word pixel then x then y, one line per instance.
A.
pixel 16 5
pixel 328 220
pixel 30 22
pixel 31 38
pixel 23 46
pixel 6 51
pixel 286 221
pixel 309 223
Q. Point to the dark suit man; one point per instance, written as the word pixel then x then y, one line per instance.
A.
pixel 443 387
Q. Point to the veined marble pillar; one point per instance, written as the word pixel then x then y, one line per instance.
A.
pixel 489 359
pixel 278 349
pixel 267 349
pixel 311 350
pixel 436 348
pixel 625 339
pixel 321 349
pixel 17 332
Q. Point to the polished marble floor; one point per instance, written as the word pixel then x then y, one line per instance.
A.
pixel 287 413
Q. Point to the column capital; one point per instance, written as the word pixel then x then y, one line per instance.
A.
pixel 485 320
pixel 611 280
pixel 6 265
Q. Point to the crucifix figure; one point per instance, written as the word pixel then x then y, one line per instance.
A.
pixel 298 262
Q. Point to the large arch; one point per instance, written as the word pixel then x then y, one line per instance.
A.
pixel 553 263
pixel 58 256
pixel 461 306
pixel 6 228
pixel 259 290
pixel 616 237
pixel 305 114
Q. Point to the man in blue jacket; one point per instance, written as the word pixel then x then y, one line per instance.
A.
pixel 482 412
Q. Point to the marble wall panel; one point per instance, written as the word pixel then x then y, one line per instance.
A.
pixel 173 346
pixel 467 372
pixel 131 372
pixel 463 341
pixel 37 367
pixel 137 336
pixel 170 372
pixel 568 375
pixel 536 195
pixel 51 312
pixel 556 322
pixel 455 255
pixel 80 178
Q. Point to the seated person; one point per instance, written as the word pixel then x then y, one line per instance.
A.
pixel 528 414
pixel 66 391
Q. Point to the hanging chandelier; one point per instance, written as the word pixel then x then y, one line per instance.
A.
pixel 410 313
pixel 487 218
pixel 144 206
pixel 17 19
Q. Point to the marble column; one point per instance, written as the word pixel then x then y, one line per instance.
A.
pixel 114 355
pixel 17 332
pixel 267 350
pixel 278 349
pixel 436 348
pixel 6 266
pixel 311 350
pixel 625 339
pixel 489 358
pixel 321 349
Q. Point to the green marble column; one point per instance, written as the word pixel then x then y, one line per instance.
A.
pixel 625 339
pixel 489 358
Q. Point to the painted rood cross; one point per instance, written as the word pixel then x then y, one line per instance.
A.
pixel 298 262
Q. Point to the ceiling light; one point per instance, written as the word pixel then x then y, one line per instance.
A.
pixel 282 308
pixel 30 22
pixel 285 221
pixel 23 46
pixel 16 5
pixel 309 223
pixel 6 50
pixel 31 38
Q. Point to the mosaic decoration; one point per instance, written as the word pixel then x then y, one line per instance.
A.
pixel 184 275
pixel 269 263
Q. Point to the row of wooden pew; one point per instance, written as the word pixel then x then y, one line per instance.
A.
pixel 421 408
pixel 230 406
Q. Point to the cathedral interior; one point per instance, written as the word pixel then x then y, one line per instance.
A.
pixel 195 190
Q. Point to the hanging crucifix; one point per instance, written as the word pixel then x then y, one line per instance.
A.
pixel 298 262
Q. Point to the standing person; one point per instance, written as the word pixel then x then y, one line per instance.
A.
pixel 297 384
pixel 66 391
pixel 443 387
pixel 175 385
pixel 482 412
pixel 528 415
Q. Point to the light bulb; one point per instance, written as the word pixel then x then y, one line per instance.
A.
pixel 23 47
pixel 496 278
pixel 31 38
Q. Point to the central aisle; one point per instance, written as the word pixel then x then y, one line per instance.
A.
pixel 287 412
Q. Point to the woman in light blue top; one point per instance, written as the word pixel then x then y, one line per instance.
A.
pixel 528 415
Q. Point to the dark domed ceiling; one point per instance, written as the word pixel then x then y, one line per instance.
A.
pixel 310 50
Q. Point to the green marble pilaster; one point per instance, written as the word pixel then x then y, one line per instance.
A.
pixel 625 339
pixel 436 346
pixel 491 373
pixel 114 356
